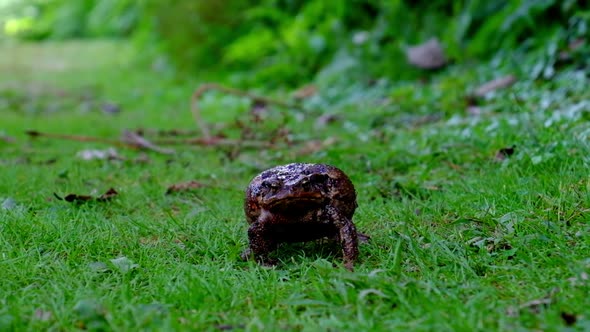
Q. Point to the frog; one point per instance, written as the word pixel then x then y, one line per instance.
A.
pixel 301 202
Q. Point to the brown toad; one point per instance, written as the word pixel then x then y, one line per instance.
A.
pixel 297 203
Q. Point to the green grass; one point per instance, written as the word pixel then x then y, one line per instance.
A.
pixel 460 241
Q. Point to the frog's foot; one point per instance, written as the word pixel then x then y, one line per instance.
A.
pixel 246 254
pixel 363 238
pixel 349 265
pixel 268 262
pixel 263 261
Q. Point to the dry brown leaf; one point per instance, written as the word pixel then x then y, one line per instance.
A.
pixel 504 153
pixel 75 198
pixel 184 186
pixel 305 92
pixel 107 195
pixel 326 119
pixel 428 55
pixel 568 318
pixel 493 85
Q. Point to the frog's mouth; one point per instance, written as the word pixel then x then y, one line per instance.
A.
pixel 301 202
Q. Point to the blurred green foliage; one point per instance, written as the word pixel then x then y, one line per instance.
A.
pixel 288 42
pixel 64 19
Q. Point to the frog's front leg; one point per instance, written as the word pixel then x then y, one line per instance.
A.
pixel 262 241
pixel 347 236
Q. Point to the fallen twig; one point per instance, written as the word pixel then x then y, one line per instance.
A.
pixel 129 141
pixel 139 141
pixel 80 138
pixel 493 85
pixel 212 141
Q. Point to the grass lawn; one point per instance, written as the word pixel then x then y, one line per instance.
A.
pixel 467 234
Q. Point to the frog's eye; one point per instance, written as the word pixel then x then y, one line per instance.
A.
pixel 305 183
pixel 269 185
pixel 318 178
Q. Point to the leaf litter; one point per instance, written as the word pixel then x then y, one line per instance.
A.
pixel 78 199
pixel 263 129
